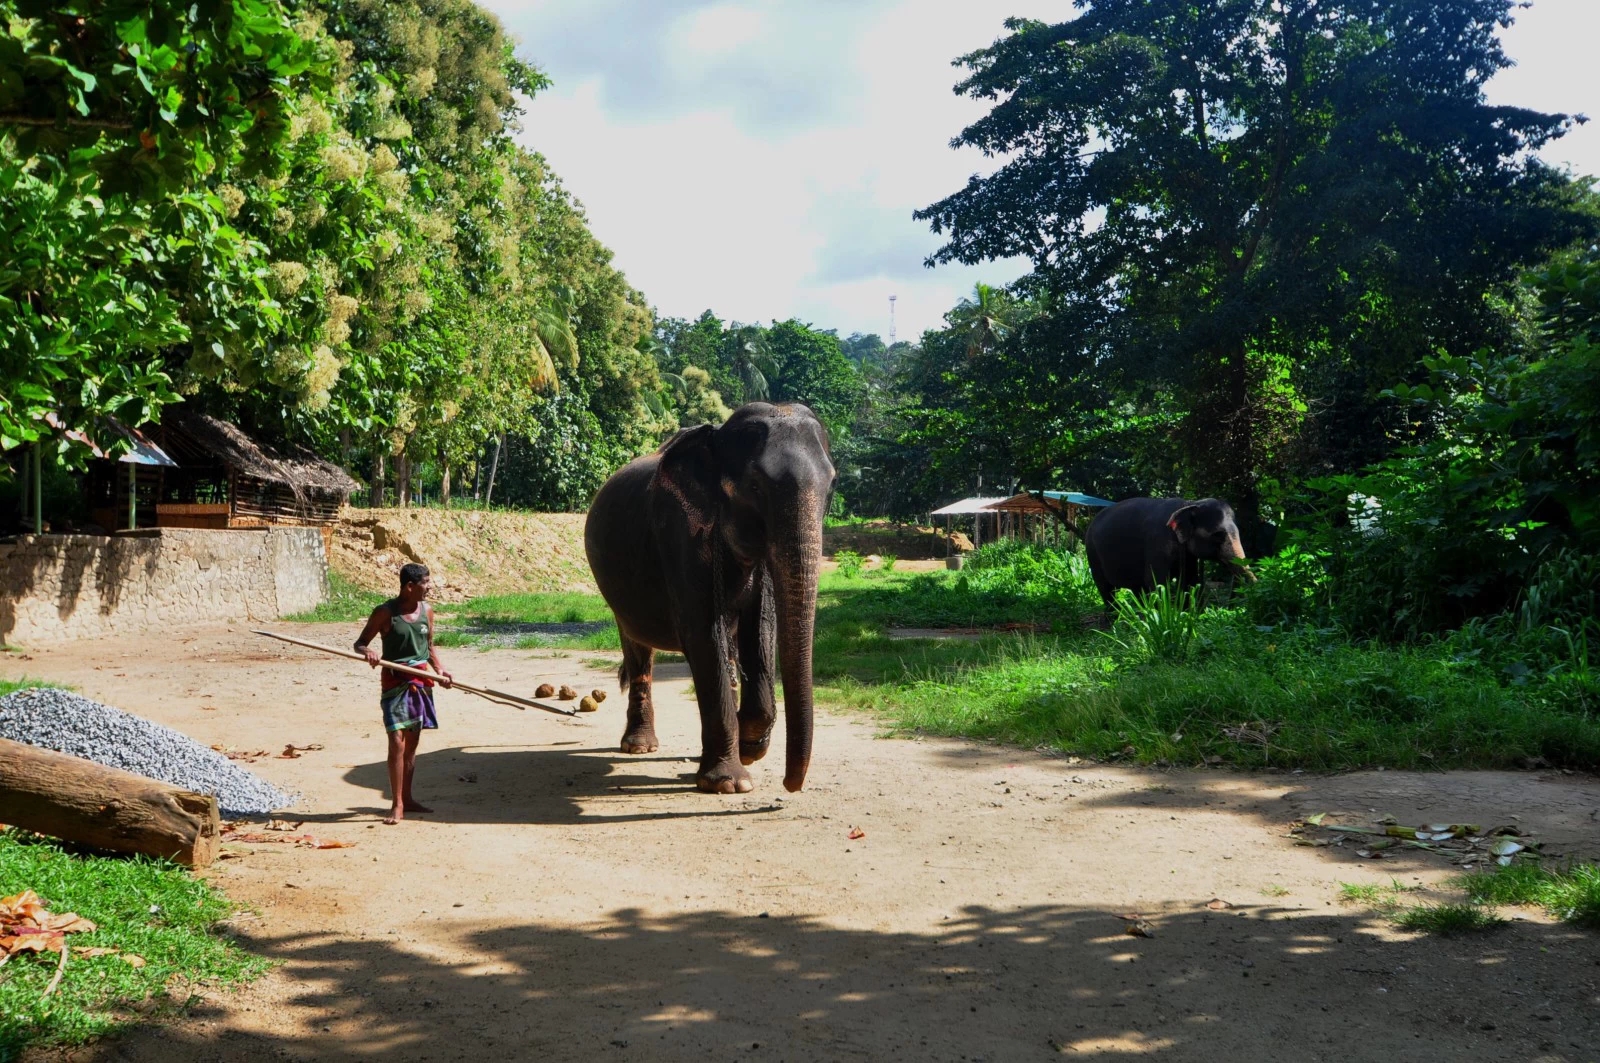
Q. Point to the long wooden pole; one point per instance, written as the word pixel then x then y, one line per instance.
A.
pixel 455 684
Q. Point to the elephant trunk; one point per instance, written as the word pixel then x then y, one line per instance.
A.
pixel 795 569
pixel 1233 550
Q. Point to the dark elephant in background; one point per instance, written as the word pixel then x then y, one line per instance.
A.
pixel 1142 542
pixel 711 547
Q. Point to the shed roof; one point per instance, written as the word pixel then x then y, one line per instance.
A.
pixel 968 505
pixel 231 447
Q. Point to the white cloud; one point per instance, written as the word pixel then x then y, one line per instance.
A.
pixel 762 158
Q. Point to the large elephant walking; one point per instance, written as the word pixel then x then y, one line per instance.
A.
pixel 711 547
pixel 1140 543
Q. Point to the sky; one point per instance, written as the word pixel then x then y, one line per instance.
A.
pixel 762 158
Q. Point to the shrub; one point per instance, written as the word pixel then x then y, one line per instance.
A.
pixel 849 563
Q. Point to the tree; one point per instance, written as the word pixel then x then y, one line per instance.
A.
pixel 109 126
pixel 985 319
pixel 1257 189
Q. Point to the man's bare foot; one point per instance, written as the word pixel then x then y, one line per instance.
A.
pixel 413 805
pixel 396 814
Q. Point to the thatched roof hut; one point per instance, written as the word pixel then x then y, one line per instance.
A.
pixel 226 479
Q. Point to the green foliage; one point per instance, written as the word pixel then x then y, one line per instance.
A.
pixel 1448 919
pixel 110 128
pixel 1221 226
pixel 1297 697
pixel 346 604
pixel 146 908
pixel 1572 894
pixel 849 563
pixel 1159 626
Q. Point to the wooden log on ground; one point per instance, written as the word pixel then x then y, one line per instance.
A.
pixel 81 801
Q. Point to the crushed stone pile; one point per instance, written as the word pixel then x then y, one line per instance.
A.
pixel 80 727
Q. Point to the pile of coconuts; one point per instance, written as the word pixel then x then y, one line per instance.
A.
pixel 590 703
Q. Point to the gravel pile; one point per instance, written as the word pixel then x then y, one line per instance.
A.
pixel 72 724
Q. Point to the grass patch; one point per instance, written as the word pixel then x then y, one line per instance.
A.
pixel 1170 685
pixel 152 909
pixel 607 639
pixel 1448 919
pixel 454 639
pixel 11 686
pixel 346 604
pixel 553 608
pixel 1383 899
pixel 1572 894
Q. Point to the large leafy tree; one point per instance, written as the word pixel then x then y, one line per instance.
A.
pixel 112 118
pixel 1260 193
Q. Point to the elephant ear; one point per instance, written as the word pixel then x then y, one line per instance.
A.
pixel 1182 523
pixel 688 472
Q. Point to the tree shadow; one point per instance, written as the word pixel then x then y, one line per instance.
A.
pixel 982 984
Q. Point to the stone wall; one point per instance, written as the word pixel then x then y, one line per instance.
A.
pixel 57 587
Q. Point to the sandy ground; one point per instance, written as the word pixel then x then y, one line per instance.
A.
pixel 567 902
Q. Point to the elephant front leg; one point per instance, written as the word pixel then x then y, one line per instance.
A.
pixel 758 622
pixel 711 665
pixel 638 664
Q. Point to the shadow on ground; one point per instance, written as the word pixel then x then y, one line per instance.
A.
pixel 540 785
pixel 985 984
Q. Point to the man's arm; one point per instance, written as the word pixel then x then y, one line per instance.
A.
pixel 377 624
pixel 433 655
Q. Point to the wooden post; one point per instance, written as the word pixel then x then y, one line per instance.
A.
pixel 133 496
pixel 81 801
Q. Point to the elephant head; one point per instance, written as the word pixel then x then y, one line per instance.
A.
pixel 1208 531
pixel 760 484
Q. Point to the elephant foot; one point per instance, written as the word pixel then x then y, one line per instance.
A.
pixel 725 779
pixel 643 741
pixel 754 742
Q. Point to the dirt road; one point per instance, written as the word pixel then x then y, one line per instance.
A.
pixel 567 902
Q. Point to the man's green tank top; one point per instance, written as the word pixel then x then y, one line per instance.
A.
pixel 406 641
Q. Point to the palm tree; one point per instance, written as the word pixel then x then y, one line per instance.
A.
pixel 986 318
pixel 753 362
pixel 553 337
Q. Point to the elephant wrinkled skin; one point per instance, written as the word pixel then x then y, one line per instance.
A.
pixel 1140 543
pixel 711 547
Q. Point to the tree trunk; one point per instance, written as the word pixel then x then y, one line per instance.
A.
pixel 376 498
pixel 494 467
pixel 402 479
pixel 81 801
pixel 444 478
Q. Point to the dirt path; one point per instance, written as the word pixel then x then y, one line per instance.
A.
pixel 566 902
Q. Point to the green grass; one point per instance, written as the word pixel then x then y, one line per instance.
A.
pixel 1572 894
pixel 1383 899
pixel 151 909
pixel 1253 697
pixel 553 608
pixel 1448 919
pixel 595 640
pixel 9 686
pixel 346 604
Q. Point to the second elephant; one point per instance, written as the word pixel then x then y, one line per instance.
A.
pixel 1140 543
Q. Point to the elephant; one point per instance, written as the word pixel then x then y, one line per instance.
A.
pixel 711 547
pixel 1140 543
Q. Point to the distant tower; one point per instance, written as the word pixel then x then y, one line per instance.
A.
pixel 892 299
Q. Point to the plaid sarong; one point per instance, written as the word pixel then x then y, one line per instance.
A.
pixel 407 701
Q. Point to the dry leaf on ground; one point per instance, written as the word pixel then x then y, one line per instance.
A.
pixel 26 925
pixel 856 834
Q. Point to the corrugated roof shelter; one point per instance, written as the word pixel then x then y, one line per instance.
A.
pixel 1011 515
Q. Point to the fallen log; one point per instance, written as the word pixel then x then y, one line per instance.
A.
pixel 81 801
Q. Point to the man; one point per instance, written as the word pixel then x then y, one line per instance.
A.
pixel 406 625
